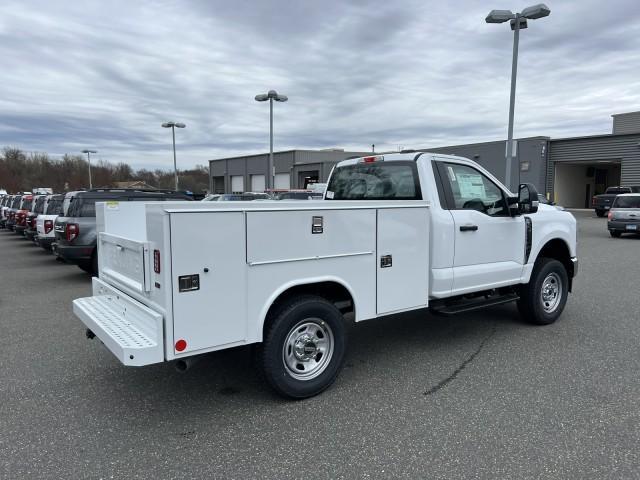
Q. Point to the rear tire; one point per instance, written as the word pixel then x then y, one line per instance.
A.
pixel 542 300
pixel 615 234
pixel 600 213
pixel 304 346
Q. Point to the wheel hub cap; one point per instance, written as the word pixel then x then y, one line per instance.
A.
pixel 551 293
pixel 305 348
pixel 308 349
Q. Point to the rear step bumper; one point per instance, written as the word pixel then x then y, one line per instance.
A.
pixel 131 331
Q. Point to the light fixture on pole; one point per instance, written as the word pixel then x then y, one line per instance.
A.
pixel 518 22
pixel 173 126
pixel 89 152
pixel 271 96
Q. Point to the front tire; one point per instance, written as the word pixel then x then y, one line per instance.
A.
pixel 304 347
pixel 542 300
pixel 600 213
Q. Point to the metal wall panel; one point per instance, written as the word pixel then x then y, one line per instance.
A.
pixel 626 123
pixel 623 148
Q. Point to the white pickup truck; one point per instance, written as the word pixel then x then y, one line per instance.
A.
pixel 394 233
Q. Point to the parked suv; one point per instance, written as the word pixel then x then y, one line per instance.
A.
pixel 4 206
pixel 12 210
pixel 45 235
pixel 21 214
pixel 602 203
pixel 624 216
pixel 75 233
pixel 37 207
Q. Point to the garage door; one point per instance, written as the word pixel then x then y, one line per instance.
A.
pixel 283 181
pixel 237 183
pixel 257 183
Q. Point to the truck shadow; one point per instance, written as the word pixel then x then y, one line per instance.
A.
pixel 229 379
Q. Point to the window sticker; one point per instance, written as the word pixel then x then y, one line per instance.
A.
pixel 329 195
pixel 452 176
pixel 113 205
pixel 471 186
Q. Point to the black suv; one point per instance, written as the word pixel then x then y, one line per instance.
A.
pixel 76 235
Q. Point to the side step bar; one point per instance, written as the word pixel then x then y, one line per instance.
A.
pixel 468 305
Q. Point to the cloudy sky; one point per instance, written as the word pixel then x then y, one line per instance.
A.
pixel 105 75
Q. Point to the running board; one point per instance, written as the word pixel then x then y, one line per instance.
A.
pixel 463 306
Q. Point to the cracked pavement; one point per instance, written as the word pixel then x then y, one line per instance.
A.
pixel 506 399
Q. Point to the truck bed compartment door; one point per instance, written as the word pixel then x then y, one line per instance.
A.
pixel 402 259
pixel 124 261
pixel 208 279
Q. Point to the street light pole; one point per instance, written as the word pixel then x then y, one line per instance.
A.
pixel 89 152
pixel 518 21
pixel 272 167
pixel 512 101
pixel 173 126
pixel 271 96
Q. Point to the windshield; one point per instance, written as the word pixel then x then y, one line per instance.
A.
pixel 617 190
pixel 627 202
pixel 26 205
pixel 238 197
pixel 375 181
pixel 298 196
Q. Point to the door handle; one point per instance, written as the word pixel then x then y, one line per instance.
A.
pixel 468 228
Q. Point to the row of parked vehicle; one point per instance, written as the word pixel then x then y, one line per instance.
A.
pixel 66 223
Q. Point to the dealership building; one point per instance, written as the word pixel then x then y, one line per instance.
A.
pixel 568 170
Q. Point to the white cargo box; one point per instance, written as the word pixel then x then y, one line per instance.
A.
pixel 193 278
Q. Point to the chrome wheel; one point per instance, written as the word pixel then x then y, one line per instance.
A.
pixel 308 349
pixel 551 293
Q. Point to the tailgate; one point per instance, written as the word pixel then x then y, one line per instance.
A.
pixel 133 332
pixel 124 261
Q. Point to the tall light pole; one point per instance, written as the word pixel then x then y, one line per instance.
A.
pixel 271 95
pixel 173 126
pixel 518 21
pixel 89 152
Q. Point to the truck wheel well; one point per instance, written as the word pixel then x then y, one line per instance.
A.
pixel 558 250
pixel 334 292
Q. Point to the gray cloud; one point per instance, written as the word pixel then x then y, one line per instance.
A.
pixel 415 74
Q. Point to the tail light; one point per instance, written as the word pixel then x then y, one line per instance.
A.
pixel 72 230
pixel 593 201
pixel 48 226
pixel 610 215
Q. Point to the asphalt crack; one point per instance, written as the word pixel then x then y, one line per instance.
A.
pixel 463 365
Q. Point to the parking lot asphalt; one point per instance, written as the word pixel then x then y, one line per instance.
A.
pixel 480 395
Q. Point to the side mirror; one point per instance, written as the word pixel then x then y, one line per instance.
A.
pixel 527 198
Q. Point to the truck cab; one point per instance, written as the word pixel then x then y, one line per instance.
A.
pixel 393 233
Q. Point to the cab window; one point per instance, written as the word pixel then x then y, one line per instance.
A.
pixel 395 180
pixel 471 190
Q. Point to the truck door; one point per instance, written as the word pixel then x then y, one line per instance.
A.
pixel 489 242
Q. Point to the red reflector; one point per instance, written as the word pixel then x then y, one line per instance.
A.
pixel 369 159
pixel 156 261
pixel 181 345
